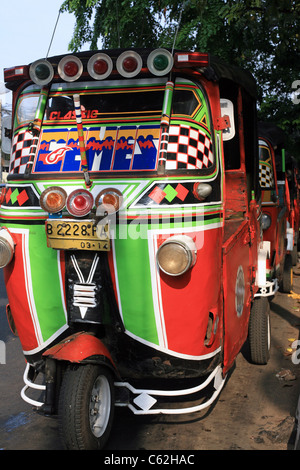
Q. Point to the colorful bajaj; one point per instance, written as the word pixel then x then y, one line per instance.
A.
pixel 131 239
pixel 278 219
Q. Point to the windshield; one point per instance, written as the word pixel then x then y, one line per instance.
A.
pixel 121 123
pixel 266 176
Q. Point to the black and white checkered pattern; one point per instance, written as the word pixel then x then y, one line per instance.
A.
pixel 188 148
pixel 20 152
pixel 265 175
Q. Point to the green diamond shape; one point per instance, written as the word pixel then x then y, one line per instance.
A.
pixel 171 193
pixel 14 195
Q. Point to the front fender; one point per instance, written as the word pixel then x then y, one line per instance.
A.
pixel 81 348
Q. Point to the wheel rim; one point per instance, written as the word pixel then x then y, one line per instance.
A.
pixel 100 406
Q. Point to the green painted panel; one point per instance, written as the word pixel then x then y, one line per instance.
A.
pixel 133 271
pixel 45 283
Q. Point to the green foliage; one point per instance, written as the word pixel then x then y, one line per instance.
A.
pixel 259 35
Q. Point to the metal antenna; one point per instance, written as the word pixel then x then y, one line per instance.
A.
pixel 118 30
pixel 53 33
pixel 179 21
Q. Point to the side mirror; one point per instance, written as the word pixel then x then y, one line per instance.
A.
pixel 227 110
pixel 6 134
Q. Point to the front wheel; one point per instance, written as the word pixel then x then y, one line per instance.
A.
pixel 86 407
pixel 259 331
pixel 287 277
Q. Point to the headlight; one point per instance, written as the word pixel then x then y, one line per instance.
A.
pixel 176 255
pixel 265 221
pixel 7 247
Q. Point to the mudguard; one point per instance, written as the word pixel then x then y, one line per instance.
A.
pixel 81 348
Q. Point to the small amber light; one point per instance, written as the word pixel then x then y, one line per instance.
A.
pixel 109 200
pixel 53 199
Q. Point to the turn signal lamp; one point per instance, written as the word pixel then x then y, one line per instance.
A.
pixel 100 66
pixel 108 201
pixel 176 255
pixel 41 72
pixel 202 190
pixel 70 68
pixel 191 59
pixel 160 62
pixel 7 247
pixel 80 202
pixel 266 221
pixel 53 199
pixel 129 64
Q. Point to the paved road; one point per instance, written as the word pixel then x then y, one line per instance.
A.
pixel 255 410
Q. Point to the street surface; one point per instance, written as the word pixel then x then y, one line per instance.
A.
pixel 255 410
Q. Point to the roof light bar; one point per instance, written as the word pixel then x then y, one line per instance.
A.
pixel 160 62
pixel 41 72
pixel 100 66
pixel 70 68
pixel 129 64
pixel 191 59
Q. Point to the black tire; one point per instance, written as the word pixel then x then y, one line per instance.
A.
pixel 287 277
pixel 86 399
pixel 259 331
pixel 294 255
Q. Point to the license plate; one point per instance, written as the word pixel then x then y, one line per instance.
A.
pixel 65 234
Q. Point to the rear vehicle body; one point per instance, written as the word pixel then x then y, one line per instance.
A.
pixel 132 225
pixel 278 217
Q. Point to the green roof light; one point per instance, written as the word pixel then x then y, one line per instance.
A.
pixel 161 62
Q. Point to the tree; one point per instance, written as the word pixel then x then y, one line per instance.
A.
pixel 259 35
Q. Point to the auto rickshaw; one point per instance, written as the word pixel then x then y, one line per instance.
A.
pixel 276 207
pixel 131 233
pixel 292 174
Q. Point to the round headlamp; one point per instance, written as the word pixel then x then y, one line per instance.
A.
pixel 7 247
pixel 176 255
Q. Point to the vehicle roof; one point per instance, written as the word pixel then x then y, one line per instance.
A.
pixel 272 133
pixel 242 77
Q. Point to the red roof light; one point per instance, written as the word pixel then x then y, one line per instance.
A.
pixel 15 73
pixel 191 59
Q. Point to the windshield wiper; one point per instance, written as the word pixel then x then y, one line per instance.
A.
pixel 84 163
pixel 34 127
pixel 164 124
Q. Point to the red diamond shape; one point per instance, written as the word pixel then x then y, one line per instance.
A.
pixel 7 197
pixel 181 192
pixel 157 195
pixel 23 197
